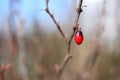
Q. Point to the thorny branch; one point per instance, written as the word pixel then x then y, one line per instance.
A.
pixel 60 68
pixel 75 27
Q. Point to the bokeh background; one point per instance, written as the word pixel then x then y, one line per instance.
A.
pixel 31 43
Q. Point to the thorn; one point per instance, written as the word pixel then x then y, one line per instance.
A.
pixel 81 10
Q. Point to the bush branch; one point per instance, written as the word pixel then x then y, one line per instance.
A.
pixel 52 16
pixel 75 27
pixel 60 68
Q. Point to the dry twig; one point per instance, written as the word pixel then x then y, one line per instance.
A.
pixel 60 68
pixel 52 16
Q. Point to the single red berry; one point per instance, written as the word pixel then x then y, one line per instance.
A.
pixel 78 37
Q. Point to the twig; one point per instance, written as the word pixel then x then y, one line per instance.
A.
pixel 52 16
pixel 60 68
pixel 75 27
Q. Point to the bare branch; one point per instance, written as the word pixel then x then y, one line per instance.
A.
pixel 60 68
pixel 75 27
pixel 51 15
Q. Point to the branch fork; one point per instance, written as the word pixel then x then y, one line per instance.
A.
pixel 60 67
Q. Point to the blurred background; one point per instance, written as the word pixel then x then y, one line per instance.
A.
pixel 30 41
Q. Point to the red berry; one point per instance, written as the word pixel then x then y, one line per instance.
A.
pixel 78 37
